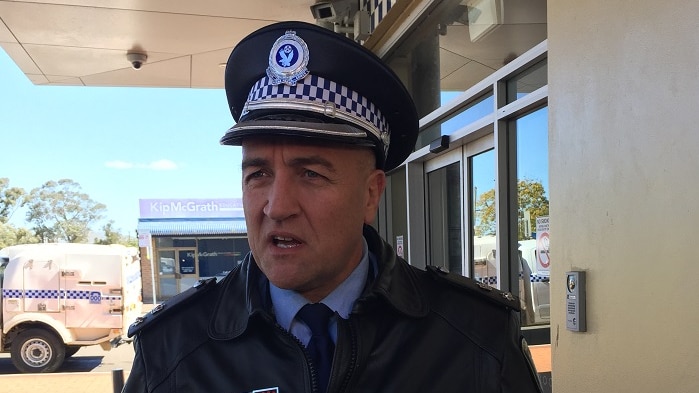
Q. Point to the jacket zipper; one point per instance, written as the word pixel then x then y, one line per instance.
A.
pixel 309 361
pixel 345 386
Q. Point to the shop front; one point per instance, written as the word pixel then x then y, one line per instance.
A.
pixel 185 240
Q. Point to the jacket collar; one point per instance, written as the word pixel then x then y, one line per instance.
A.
pixel 244 293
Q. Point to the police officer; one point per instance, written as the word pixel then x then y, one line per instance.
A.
pixel 322 303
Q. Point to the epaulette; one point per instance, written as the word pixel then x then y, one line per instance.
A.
pixel 166 307
pixel 506 299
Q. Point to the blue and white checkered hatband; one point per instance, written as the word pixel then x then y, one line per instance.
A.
pixel 321 96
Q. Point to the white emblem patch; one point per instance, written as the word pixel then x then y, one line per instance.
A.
pixel 288 59
pixel 266 390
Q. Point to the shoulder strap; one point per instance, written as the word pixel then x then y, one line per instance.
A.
pixel 167 307
pixel 477 288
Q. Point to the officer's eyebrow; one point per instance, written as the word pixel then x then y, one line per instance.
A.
pixel 258 162
pixel 254 162
pixel 311 160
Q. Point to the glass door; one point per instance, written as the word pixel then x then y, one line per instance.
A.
pixel 187 274
pixel 460 192
pixel 177 271
pixel 444 214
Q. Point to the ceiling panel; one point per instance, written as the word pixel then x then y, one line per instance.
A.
pixel 170 73
pixel 269 10
pixel 5 35
pixel 23 61
pixel 85 42
pixel 151 31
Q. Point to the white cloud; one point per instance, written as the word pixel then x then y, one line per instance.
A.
pixel 159 165
pixel 162 165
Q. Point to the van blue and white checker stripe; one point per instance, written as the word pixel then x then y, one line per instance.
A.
pixel 493 280
pixel 92 296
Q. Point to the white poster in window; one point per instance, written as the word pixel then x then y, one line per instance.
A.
pixel 399 246
pixel 543 259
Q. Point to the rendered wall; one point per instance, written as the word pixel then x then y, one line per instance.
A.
pixel 624 159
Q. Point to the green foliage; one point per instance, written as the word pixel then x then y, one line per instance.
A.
pixel 531 197
pixel 10 199
pixel 112 236
pixel 60 211
pixel 9 236
pixel 485 214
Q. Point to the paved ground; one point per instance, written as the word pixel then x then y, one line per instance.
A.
pixel 88 371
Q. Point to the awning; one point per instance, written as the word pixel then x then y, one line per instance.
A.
pixel 173 227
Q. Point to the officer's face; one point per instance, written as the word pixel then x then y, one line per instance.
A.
pixel 305 207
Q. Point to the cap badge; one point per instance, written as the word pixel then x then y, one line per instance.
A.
pixel 288 59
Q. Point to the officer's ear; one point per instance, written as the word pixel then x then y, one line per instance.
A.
pixel 376 182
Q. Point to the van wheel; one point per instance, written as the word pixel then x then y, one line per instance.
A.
pixel 71 350
pixel 37 351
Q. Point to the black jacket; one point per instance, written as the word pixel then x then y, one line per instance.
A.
pixel 412 331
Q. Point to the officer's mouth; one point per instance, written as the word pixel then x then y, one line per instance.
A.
pixel 285 242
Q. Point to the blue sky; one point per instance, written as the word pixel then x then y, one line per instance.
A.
pixel 119 144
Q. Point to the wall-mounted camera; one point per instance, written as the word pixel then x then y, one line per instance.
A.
pixel 323 10
pixel 136 59
pixel 336 11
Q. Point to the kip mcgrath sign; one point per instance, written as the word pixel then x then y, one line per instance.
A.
pixel 190 208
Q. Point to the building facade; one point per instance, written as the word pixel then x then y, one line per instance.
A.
pixel 185 240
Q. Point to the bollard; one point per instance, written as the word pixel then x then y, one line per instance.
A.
pixel 117 380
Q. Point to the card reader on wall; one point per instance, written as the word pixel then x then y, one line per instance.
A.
pixel 576 315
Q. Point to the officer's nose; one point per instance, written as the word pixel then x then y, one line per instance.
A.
pixel 282 200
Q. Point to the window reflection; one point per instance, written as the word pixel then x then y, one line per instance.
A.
pixel 458 43
pixel 483 225
pixel 527 81
pixel 532 209
pixel 477 109
pixel 445 217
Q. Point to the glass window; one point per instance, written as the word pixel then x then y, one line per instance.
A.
pixel 169 242
pixel 482 106
pixel 167 262
pixel 532 211
pixel 484 241
pixel 457 43
pixel 444 201
pixel 527 81
pixel 219 256
pixel 187 261
pixel 399 213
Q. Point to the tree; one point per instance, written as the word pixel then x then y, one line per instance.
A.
pixel 61 211
pixel 10 199
pixel 9 236
pixel 531 198
pixel 113 236
pixel 485 214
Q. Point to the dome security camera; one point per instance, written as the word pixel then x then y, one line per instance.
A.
pixel 136 59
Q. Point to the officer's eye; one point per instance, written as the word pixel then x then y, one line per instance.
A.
pixel 254 175
pixel 311 174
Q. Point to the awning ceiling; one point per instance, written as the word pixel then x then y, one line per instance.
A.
pixel 192 227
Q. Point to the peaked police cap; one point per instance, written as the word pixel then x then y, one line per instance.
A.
pixel 297 79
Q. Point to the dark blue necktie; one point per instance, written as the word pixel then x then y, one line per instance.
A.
pixel 321 346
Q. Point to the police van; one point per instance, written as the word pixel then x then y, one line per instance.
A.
pixel 58 297
pixel 533 277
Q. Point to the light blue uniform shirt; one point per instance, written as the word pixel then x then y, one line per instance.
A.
pixel 287 303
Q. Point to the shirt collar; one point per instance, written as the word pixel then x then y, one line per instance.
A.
pixel 287 303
